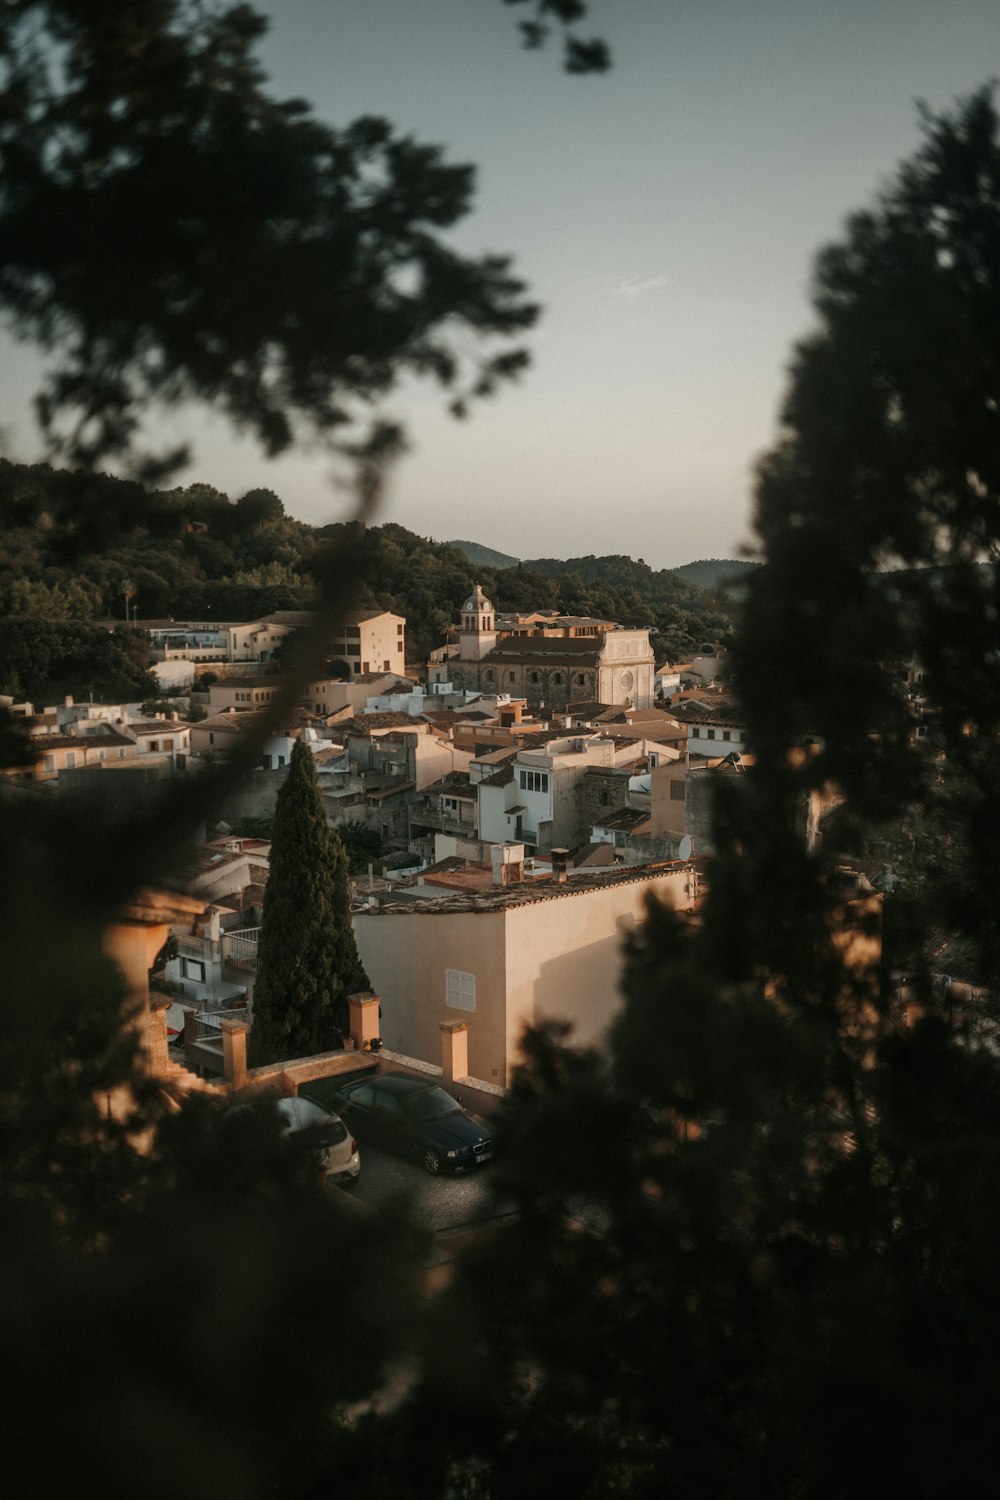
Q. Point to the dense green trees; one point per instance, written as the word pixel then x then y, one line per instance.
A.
pixel 42 660
pixel 308 960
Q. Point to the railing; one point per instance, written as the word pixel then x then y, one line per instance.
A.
pixel 239 948
pixel 432 817
pixel 206 1027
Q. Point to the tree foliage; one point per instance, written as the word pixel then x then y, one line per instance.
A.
pixel 754 1254
pixel 286 272
pixel 308 960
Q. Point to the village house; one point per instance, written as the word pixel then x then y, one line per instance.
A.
pixel 488 963
pixel 714 724
pixel 537 796
pixel 370 640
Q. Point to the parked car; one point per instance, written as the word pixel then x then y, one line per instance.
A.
pixel 419 1120
pixel 335 1146
pixel 323 1133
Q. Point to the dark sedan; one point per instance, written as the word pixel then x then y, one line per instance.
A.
pixel 417 1118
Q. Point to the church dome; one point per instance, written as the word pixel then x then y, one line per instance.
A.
pixel 477 602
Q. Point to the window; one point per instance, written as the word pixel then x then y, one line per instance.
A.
pixel 511 676
pixel 399 630
pixel 557 679
pixel 604 798
pixel 581 680
pixel 121 754
pixel 154 744
pixel 677 791
pixel 192 968
pixel 726 734
pixel 533 781
pixel 49 762
pixel 459 989
pixel 532 676
pixel 385 666
pixel 102 754
pixel 70 759
pixel 710 734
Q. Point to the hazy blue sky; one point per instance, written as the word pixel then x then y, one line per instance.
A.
pixel 666 215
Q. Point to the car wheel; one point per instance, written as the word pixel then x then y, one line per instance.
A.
pixel 432 1162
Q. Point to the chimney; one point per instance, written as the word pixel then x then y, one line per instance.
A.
pixel 508 863
pixel 560 859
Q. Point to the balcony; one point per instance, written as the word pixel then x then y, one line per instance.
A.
pixel 431 817
pixel 239 948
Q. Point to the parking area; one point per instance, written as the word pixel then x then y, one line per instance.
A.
pixel 443 1203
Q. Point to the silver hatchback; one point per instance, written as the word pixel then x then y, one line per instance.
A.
pixel 336 1148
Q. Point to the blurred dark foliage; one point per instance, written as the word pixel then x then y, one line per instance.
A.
pixel 580 55
pixel 184 1312
pixel 753 1251
pixel 250 256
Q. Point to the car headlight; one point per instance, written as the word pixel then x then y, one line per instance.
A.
pixel 452 1153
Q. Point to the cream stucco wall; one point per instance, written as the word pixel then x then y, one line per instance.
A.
pixel 564 956
pixel 559 958
pixel 406 955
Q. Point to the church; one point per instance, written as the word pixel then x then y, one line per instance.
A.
pixel 551 660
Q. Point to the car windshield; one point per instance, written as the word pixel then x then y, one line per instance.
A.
pixel 431 1104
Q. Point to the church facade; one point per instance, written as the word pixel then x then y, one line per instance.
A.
pixel 553 666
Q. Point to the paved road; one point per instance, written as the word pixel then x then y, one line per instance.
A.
pixel 442 1203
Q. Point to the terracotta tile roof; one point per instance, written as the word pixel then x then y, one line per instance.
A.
pixel 497 757
pixel 388 789
pixel 528 892
pixel 364 723
pixel 454 784
pixel 48 742
pixel 503 777
pixel 554 650
pixel 626 819
pixel 157 726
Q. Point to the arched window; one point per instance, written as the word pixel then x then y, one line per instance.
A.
pixel 581 680
pixel 511 676
pixel 557 679
pixel 532 676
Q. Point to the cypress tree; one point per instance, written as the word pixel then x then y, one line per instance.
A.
pixel 308 960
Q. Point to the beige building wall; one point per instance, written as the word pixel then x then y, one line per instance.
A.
pixel 564 956
pixel 555 959
pixel 407 956
pixel 377 644
pixel 667 815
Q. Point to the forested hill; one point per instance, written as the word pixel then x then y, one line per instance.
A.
pixel 77 547
pixel 428 581
pixel 720 575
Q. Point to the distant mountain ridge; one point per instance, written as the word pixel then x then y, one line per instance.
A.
pixel 723 575
pixel 485 557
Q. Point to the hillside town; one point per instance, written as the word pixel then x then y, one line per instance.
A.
pixel 526 788
pixel 499 1019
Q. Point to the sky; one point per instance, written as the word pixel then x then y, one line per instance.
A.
pixel 666 215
